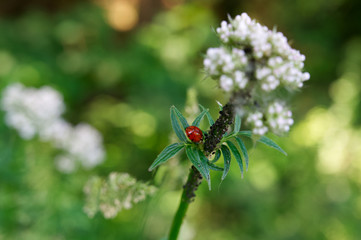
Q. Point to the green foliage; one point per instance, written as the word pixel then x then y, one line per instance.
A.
pixel 236 155
pixel 209 117
pixel 199 161
pixel 195 152
pixel 227 160
pixel 175 124
pixel 199 118
pixel 243 150
pixel 237 124
pixel 216 156
pixel 166 154
pixel 264 140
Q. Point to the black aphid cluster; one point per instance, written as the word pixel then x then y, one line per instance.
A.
pixel 194 180
pixel 219 128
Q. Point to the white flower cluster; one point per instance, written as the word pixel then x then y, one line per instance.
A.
pixel 29 110
pixel 229 66
pixel 256 61
pixel 256 121
pixel 279 118
pixel 119 191
pixel 269 55
pixel 38 112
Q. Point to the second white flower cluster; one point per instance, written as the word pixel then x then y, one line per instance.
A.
pixel 37 112
pixel 277 118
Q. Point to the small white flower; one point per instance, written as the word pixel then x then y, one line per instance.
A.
pixel 255 121
pixel 279 118
pixel 226 83
pixel 240 79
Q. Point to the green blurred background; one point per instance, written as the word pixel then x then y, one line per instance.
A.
pixel 120 65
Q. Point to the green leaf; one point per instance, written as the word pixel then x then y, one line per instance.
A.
pixel 166 154
pixel 227 160
pixel 244 150
pixel 236 155
pixel 216 156
pixel 237 124
pixel 264 140
pixel 209 117
pixel 199 118
pixel 181 118
pixel 204 163
pixel 195 156
pixel 245 133
pixel 214 167
pixel 176 127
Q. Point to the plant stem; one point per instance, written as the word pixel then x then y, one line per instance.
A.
pixel 193 181
pixel 212 139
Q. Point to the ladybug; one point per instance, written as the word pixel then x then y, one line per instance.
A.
pixel 194 134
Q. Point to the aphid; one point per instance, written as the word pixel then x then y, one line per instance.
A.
pixel 194 134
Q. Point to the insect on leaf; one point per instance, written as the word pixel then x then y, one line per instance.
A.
pixel 166 154
pixel 216 156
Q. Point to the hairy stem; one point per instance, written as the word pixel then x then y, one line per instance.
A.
pixel 212 139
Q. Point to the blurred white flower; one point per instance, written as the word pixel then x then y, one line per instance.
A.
pixel 29 109
pixel 35 112
pixel 86 145
pixel 110 196
pixel 65 164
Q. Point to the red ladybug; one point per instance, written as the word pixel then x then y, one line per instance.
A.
pixel 194 134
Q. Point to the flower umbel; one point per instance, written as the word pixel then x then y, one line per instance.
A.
pixel 259 62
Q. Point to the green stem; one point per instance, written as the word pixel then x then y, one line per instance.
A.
pixel 212 139
pixel 193 181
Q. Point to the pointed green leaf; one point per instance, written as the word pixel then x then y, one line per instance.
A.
pixel 236 155
pixel 166 154
pixel 244 150
pixel 272 144
pixel 205 166
pixel 199 118
pixel 227 160
pixel 237 124
pixel 209 117
pixel 245 133
pixel 195 156
pixel 214 167
pixel 216 156
pixel 181 118
pixel 264 140
pixel 176 127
